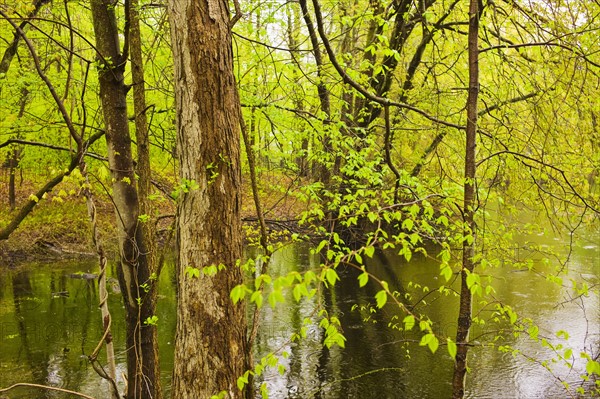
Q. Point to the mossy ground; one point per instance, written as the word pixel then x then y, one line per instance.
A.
pixel 59 224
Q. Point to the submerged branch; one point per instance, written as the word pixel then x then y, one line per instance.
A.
pixel 26 384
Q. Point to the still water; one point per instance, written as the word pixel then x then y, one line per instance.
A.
pixel 49 321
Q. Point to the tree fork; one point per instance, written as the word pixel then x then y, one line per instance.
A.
pixel 134 267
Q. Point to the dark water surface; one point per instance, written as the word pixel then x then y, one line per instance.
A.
pixel 45 335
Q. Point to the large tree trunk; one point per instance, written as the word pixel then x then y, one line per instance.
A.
pixel 134 270
pixel 210 345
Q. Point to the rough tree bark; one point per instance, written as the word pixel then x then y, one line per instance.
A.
pixel 134 269
pixel 210 346
pixel 468 264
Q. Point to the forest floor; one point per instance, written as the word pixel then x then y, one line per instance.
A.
pixel 59 225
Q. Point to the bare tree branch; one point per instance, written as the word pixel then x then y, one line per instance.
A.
pixel 358 87
pixel 49 146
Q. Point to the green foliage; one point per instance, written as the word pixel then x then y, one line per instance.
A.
pixel 451 348
pixel 527 122
pixel 192 272
pixel 184 187
pixel 151 321
pixel 431 341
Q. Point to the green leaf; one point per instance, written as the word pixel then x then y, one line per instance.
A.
pixel 242 381
pixel 443 220
pixel 331 276
pixel 434 344
pixel 568 353
pixel 431 341
pixel 309 277
pixel 451 348
pixel 592 367
pixel 210 270
pixel 363 278
pixel 264 391
pixel 409 322
pixel 381 298
pixel 446 271
pixel 407 253
pixel 336 238
pixel 274 297
pixel 262 279
pixel 471 279
pixel 513 317
pixel 320 246
pixel 192 272
pixel 297 292
pixel 358 258
pixel 372 217
pixel 257 298
pixel 533 331
pixel 151 321
pixel 238 292
pixel 369 251
pixel 425 340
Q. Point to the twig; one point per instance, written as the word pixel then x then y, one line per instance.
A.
pixel 103 293
pixel 26 384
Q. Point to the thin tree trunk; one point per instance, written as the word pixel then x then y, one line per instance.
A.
pixel 468 264
pixel 210 346
pixel 151 365
pixel 322 91
pixel 13 162
pixel 293 31
pixel 14 156
pixel 134 270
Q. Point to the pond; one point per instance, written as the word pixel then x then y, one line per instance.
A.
pixel 49 322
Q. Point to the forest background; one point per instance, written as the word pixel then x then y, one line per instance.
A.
pixel 365 125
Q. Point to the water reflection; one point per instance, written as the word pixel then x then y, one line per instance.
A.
pixel 49 321
pixel 554 309
pixel 378 362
